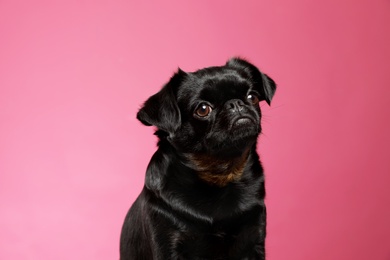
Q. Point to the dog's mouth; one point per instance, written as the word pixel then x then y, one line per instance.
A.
pixel 242 121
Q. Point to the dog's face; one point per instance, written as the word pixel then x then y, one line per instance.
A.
pixel 211 111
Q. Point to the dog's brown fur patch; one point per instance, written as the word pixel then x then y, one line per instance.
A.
pixel 218 171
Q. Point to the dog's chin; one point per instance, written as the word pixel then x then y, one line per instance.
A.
pixel 236 140
pixel 243 127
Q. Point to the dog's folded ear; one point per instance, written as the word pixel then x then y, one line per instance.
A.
pixel 263 83
pixel 161 109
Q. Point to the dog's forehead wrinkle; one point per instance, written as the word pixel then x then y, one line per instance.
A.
pixel 231 75
pixel 223 90
pixel 215 84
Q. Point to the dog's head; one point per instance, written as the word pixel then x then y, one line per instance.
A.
pixel 211 111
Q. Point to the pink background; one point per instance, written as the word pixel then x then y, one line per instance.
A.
pixel 72 155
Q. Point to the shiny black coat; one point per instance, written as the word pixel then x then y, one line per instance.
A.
pixel 204 188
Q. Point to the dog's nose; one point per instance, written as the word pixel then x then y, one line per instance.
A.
pixel 235 105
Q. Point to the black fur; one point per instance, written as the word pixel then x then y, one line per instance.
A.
pixel 204 188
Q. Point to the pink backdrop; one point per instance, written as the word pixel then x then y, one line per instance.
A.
pixel 73 156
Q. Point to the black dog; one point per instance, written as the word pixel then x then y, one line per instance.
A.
pixel 204 187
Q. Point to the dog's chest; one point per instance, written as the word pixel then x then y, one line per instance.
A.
pixel 218 245
pixel 229 240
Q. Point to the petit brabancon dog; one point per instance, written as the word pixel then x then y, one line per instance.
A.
pixel 204 187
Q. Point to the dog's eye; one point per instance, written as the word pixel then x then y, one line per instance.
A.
pixel 253 99
pixel 203 110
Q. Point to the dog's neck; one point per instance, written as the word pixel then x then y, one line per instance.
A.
pixel 219 171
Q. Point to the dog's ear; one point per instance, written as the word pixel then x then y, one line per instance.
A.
pixel 161 109
pixel 264 84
